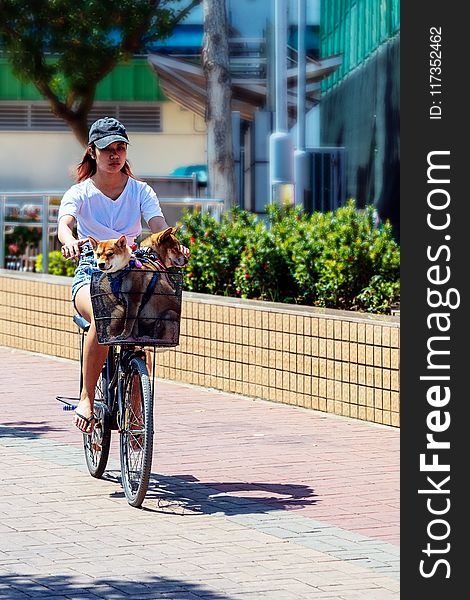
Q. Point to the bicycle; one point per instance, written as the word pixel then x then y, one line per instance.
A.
pixel 125 391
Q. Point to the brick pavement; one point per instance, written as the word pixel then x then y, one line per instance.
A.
pixel 248 499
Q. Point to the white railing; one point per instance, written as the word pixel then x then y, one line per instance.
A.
pixel 38 210
pixel 31 210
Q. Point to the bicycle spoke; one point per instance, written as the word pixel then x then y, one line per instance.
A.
pixel 135 437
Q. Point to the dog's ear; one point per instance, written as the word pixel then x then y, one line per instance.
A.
pixel 121 242
pixel 174 230
pixel 161 235
pixel 94 243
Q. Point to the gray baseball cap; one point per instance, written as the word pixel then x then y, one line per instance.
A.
pixel 105 131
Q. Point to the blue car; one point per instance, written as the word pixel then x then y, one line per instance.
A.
pixel 188 170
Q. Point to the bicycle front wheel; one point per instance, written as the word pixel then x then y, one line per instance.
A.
pixel 136 439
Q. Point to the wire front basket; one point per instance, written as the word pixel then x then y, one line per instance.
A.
pixel 137 307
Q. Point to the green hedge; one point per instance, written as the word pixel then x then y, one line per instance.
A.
pixel 339 259
pixel 57 264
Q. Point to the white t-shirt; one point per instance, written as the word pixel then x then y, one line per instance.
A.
pixel 104 218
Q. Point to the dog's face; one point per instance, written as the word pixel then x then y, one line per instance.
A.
pixel 168 248
pixel 111 255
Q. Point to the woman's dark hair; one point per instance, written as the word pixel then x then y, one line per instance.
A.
pixel 87 167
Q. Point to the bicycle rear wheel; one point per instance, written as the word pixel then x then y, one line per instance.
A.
pixel 136 439
pixel 98 442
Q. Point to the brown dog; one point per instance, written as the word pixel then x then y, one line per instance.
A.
pixel 141 301
pixel 167 247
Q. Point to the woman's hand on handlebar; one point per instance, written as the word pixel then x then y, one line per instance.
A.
pixel 71 250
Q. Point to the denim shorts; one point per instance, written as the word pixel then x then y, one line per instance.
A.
pixel 86 266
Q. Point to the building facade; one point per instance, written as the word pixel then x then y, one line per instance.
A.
pixel 360 105
pixel 43 152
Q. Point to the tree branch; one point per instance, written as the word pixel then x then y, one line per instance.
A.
pixel 181 15
pixel 133 42
pixel 6 28
pixel 58 107
pixel 26 34
pixel 86 103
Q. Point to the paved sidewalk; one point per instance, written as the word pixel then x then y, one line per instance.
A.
pixel 248 499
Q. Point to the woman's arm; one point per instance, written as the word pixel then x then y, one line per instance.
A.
pixel 70 245
pixel 157 224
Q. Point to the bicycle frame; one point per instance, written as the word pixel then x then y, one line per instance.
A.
pixel 123 357
pixel 114 403
pixel 114 370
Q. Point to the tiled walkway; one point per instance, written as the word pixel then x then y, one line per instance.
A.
pixel 248 499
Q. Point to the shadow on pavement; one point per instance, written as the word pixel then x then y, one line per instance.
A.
pixel 86 588
pixel 26 429
pixel 185 494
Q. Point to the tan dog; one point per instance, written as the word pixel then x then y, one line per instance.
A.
pixel 167 247
pixel 135 313
pixel 111 255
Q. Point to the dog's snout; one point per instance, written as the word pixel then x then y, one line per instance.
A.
pixel 102 266
pixel 180 261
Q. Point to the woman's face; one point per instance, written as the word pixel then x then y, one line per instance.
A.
pixel 112 158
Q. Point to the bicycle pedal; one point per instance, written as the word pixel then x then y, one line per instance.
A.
pixel 69 403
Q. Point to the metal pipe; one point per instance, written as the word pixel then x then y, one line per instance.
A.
pixel 280 142
pixel 2 231
pixel 301 157
pixel 45 234
pixel 301 83
pixel 280 20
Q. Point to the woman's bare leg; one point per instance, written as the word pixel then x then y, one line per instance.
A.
pixel 94 355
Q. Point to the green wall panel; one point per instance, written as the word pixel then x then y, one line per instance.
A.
pixel 12 88
pixel 129 82
pixel 354 29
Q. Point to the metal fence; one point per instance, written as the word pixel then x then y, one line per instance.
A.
pixel 28 224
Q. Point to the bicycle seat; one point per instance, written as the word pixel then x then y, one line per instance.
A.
pixel 81 322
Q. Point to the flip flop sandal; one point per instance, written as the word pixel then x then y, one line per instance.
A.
pixel 89 421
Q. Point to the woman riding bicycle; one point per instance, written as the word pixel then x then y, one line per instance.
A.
pixel 106 202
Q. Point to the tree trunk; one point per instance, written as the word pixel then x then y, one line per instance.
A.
pixel 79 126
pixel 215 63
pixel 76 119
